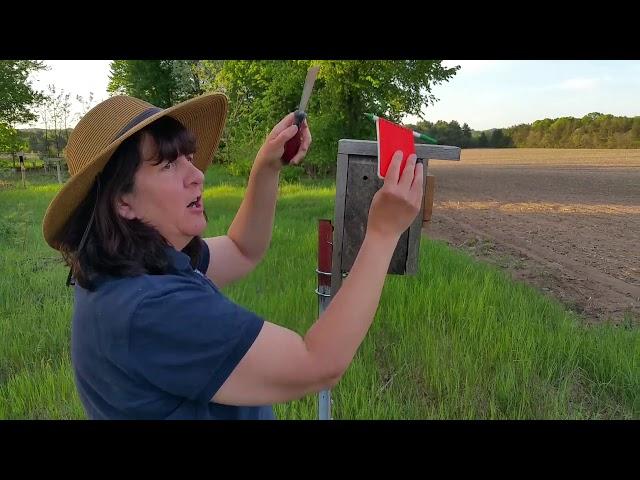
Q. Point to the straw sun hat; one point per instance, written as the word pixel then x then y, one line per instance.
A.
pixel 101 131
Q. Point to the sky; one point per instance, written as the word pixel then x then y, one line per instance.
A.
pixel 502 93
pixel 483 93
pixel 77 77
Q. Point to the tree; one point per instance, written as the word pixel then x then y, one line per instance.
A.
pixel 590 117
pixel 43 114
pixel 10 140
pixel 262 91
pixel 518 134
pixel 160 82
pixel 17 96
pixel 55 112
pixel 454 133
pixel 186 75
pixel 495 138
pixel 466 141
pixel 149 80
pixel 482 141
pixel 635 132
pixel 59 109
pixel 343 92
pixel 85 105
pixel 389 88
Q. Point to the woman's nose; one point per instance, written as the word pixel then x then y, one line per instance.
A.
pixel 195 175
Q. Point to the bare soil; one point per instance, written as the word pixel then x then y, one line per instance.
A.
pixel 565 221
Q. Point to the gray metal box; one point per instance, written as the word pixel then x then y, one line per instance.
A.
pixel 356 184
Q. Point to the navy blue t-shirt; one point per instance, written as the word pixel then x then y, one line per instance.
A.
pixel 160 346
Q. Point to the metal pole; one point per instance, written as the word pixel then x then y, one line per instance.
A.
pixel 22 170
pixel 324 397
pixel 325 244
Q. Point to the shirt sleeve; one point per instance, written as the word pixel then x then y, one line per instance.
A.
pixel 203 262
pixel 188 340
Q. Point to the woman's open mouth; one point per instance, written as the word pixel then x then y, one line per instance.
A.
pixel 196 205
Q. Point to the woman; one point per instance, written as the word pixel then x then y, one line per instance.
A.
pixel 152 335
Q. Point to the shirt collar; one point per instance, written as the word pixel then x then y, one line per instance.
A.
pixel 180 261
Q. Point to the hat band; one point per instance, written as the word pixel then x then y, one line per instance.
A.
pixel 137 119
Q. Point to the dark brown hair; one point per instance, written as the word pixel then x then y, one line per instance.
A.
pixel 114 245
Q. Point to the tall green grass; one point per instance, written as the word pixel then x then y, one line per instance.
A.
pixel 458 340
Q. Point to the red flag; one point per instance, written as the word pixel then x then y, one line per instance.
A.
pixel 392 137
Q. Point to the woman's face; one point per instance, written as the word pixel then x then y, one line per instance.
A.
pixel 167 196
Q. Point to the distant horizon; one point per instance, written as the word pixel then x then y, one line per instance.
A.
pixel 488 94
pixel 485 94
pixel 414 123
pixel 517 124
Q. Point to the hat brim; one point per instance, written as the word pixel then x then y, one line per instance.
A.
pixel 205 116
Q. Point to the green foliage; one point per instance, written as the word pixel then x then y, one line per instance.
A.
pixel 239 168
pixel 148 80
pixel 41 141
pixel 291 174
pixel 162 83
pixel 452 134
pixel 498 139
pixel 10 140
pixel 17 97
pixel 594 130
pixel 262 92
pixel 186 78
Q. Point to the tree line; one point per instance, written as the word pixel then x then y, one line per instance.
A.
pixel 262 91
pixel 595 130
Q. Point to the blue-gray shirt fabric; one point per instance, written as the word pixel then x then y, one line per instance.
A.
pixel 160 346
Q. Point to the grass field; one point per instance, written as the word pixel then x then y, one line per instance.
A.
pixel 457 341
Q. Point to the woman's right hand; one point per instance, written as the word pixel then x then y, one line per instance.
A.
pixel 394 207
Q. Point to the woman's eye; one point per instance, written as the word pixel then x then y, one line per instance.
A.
pixel 167 166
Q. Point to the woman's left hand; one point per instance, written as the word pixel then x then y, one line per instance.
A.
pixel 271 151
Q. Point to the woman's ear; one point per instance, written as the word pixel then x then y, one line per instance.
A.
pixel 125 207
